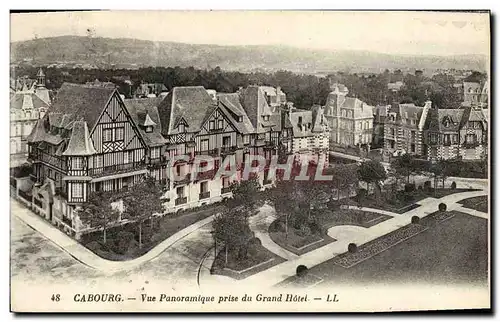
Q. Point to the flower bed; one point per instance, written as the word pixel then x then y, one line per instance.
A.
pixel 477 203
pixel 378 245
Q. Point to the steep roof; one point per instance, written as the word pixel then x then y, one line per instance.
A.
pixel 82 101
pixel 27 101
pixel 80 143
pixel 319 123
pixel 144 112
pixel 231 101
pixel 190 103
pixel 255 105
pixel 301 121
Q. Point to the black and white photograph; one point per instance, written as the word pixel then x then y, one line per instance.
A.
pixel 249 161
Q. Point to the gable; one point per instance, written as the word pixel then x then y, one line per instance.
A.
pixel 220 121
pixel 115 118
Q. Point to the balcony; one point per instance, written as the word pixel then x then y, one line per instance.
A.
pixel 225 190
pixel 214 152
pixel 228 149
pixel 116 168
pixel 205 195
pixel 154 162
pixel 181 201
pixel 182 180
pixel 471 145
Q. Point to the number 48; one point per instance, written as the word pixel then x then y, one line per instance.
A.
pixel 55 297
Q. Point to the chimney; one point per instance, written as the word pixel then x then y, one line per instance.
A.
pixel 428 104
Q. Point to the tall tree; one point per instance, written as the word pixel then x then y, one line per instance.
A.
pixel 97 212
pixel 233 230
pixel 246 196
pixel 372 171
pixel 405 165
pixel 142 201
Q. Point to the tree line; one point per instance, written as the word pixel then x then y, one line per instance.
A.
pixel 304 90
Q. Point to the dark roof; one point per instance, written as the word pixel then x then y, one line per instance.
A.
pixel 232 103
pixel 255 105
pixel 319 123
pixel 303 128
pixel 142 109
pixel 83 102
pixel 19 99
pixel 191 103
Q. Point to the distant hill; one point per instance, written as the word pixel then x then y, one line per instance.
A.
pixel 105 52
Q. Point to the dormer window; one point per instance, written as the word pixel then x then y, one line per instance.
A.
pixel 149 129
pixel 266 117
pixel 240 119
pixel 182 128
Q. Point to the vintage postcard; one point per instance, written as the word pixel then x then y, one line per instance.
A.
pixel 249 161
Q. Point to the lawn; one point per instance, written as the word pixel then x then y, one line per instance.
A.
pixel 122 243
pixel 300 243
pixel 477 203
pixel 404 201
pixel 258 259
pixel 453 251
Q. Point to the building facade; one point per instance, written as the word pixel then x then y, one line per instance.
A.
pixel 404 129
pixel 27 105
pixel 456 133
pixel 93 140
pixel 350 119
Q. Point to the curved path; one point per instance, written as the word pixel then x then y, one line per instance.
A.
pixel 87 257
pixel 259 224
pixel 278 273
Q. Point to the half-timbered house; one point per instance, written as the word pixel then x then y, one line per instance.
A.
pixel 88 141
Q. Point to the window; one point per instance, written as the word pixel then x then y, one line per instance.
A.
pixel 107 135
pixel 225 182
pixel 77 190
pixel 470 138
pixel 119 134
pixel 204 145
pixel 220 124
pixel 300 119
pixel 149 129
pixel 226 141
pixel 266 117
pixel 455 138
pixel 240 118
pixel 413 148
pixel 182 128
pixel 413 135
pixel 392 144
pixel 204 187
pixel 77 163
pixel 98 161
pixel 212 125
pixel 180 192
pixel 413 122
pixel 447 139
pixel 246 138
pixel 392 131
pixel 155 153
pixel 178 169
pixel 477 125
pixel 433 137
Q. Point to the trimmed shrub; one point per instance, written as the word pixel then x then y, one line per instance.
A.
pixel 301 270
pixel 352 248
pixel 415 219
pixel 453 185
pixel 442 207
pixel 409 187
pixel 254 242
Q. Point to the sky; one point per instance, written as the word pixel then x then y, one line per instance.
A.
pixel 414 33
